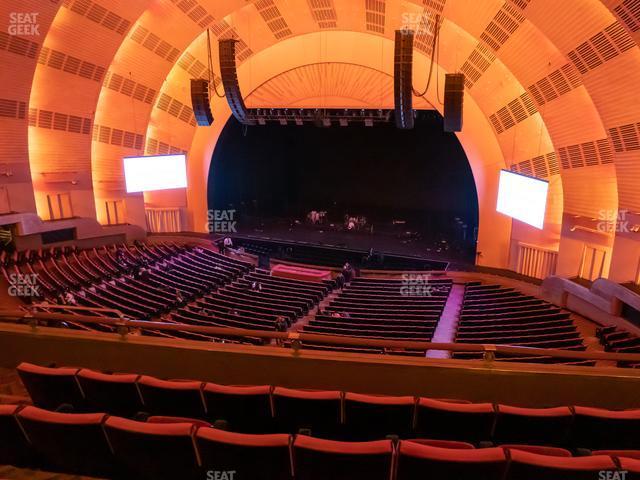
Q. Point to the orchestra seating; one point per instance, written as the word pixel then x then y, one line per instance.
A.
pixel 391 309
pixel 493 314
pixel 617 340
pixel 184 429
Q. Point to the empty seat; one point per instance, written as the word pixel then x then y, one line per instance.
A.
pixel 600 429
pixel 173 398
pixel 618 453
pixel 153 450
pixel 72 443
pixel 442 443
pixel 454 421
pixel 50 388
pixel 266 457
pixel 15 447
pixel 536 426
pixel 540 449
pixel 319 411
pixel 319 459
pixel 245 409
pixel 531 466
pixel 419 462
pixel 372 417
pixel 632 468
pixel 115 394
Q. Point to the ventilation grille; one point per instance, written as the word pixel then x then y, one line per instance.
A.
pixel 625 138
pixel 629 12
pixel 586 154
pixel 196 12
pixel 542 166
pixel 516 111
pixel 18 45
pixel 69 64
pixel 602 47
pixel 224 31
pixel 556 84
pixel 176 109
pixel 435 5
pixel 423 39
pixel 59 121
pixel 98 14
pixel 128 87
pixel 156 147
pixel 155 44
pixel 324 13
pixel 195 67
pixel 501 27
pixel 375 15
pixel 115 136
pixel 12 109
pixel 270 13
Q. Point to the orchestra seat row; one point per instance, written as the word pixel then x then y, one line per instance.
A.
pixel 492 314
pixel 330 414
pixel 97 444
pixel 383 309
pixel 617 340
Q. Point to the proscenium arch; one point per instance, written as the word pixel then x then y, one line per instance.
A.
pixel 479 143
pixel 555 24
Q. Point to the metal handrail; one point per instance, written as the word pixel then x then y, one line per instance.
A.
pixel 297 338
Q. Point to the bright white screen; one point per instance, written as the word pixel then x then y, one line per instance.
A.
pixel 523 198
pixel 161 172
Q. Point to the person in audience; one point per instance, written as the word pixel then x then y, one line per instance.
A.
pixel 179 297
pixel 280 326
pixel 227 244
pixel 339 281
pixel 347 272
pixel 70 299
pixel 257 286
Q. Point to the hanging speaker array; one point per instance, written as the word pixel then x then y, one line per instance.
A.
pixel 403 79
pixel 200 102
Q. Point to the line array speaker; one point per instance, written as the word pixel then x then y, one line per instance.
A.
pixel 200 102
pixel 403 78
pixel 229 74
pixel 453 101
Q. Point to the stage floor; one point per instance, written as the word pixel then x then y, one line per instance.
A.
pixel 360 240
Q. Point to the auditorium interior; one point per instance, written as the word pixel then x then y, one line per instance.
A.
pixel 320 239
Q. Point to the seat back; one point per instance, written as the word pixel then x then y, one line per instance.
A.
pixel 319 411
pixel 599 429
pixel 416 461
pixel 115 394
pixel 531 466
pixel 172 398
pixel 319 459
pixel 153 450
pixel 72 443
pixel 249 456
pixel 50 388
pixel 245 409
pixel 535 426
pixel 15 446
pixel 454 421
pixel 372 417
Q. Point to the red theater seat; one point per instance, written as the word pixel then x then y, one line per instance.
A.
pixel 630 467
pixel 265 457
pixel 247 409
pixel 536 426
pixel 319 411
pixel 153 450
pixel 372 417
pixel 172 398
pixel 51 388
pixel 539 449
pixel 419 462
pixel 618 453
pixel 163 419
pixel 442 443
pixel 531 466
pixel 599 429
pixel 15 449
pixel 454 421
pixel 72 443
pixel 115 394
pixel 317 459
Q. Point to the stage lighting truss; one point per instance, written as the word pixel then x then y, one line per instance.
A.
pixel 321 117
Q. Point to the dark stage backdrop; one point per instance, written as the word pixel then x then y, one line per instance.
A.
pixel 420 175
